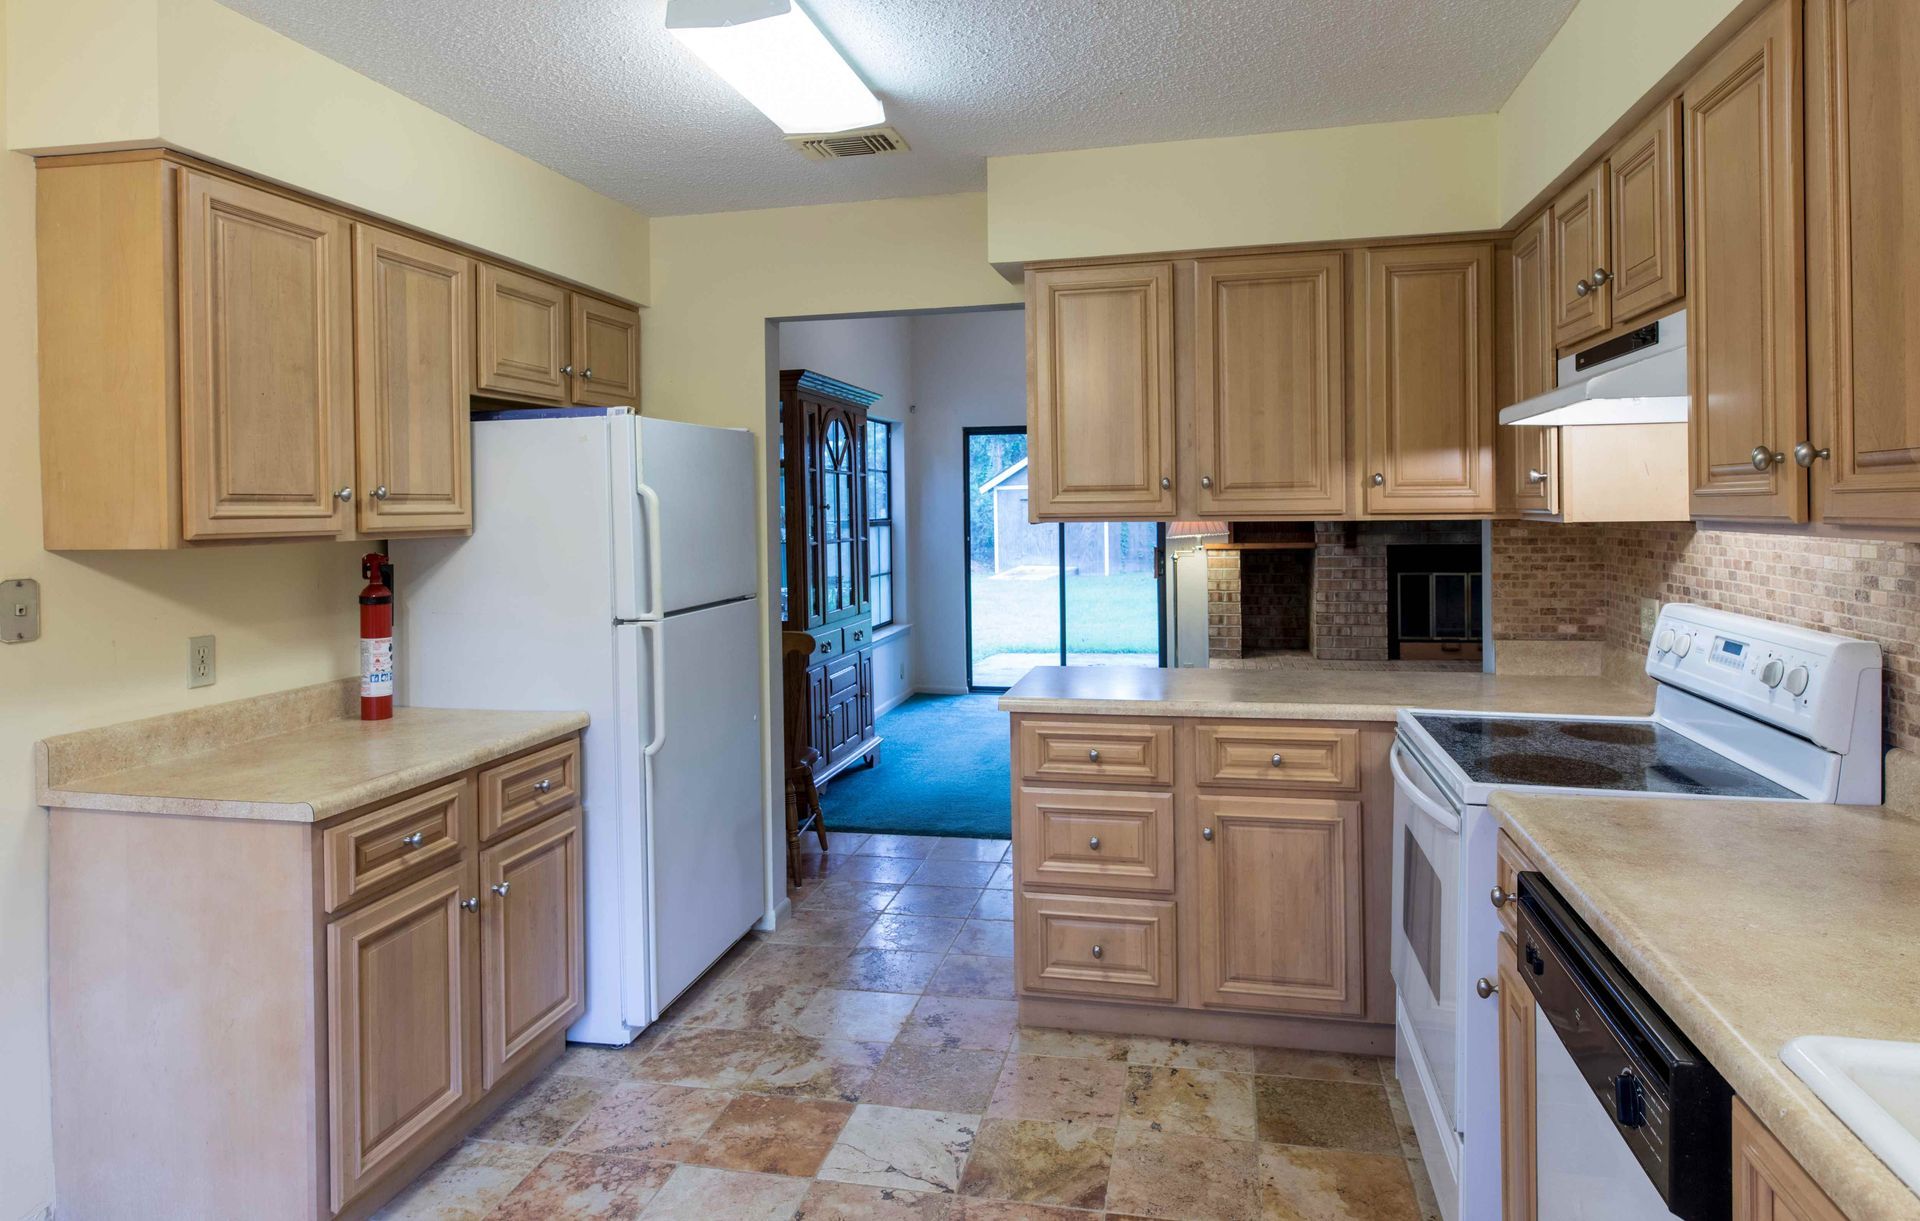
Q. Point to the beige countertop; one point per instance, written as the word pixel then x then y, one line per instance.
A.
pixel 301 756
pixel 1308 694
pixel 1751 923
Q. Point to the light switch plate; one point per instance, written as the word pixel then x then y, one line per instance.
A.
pixel 200 661
pixel 19 610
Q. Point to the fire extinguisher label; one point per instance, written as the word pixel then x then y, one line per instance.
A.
pixel 376 666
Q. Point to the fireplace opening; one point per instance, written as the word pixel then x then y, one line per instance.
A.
pixel 1434 601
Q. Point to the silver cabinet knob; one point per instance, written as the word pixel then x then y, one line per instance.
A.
pixel 1278 761
pixel 566 370
pixel 1534 476
pixel 1165 483
pixel 470 905
pixel 500 888
pixel 414 840
pixel 1206 481
pixel 1581 288
pixel 1804 453
pixel 1766 459
pixel 859 635
pixel 1206 833
pixel 1484 987
pixel 1379 479
pixel 587 374
pixel 1098 952
pixel 1093 842
pixel 344 494
pixel 380 493
pixel 1500 898
pixel 1600 276
pixel 1093 756
pixel 543 786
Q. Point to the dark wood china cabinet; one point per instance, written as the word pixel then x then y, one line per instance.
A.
pixel 825 561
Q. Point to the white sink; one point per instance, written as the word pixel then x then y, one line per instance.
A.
pixel 1873 1086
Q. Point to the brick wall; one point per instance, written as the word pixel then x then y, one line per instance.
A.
pixel 1549 582
pixel 1275 600
pixel 1349 593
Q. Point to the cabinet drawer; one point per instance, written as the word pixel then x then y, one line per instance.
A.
pixel 1107 841
pixel 529 788
pixel 1511 861
pixel 395 844
pixel 1277 756
pixel 1117 948
pixel 1097 751
pixel 827 642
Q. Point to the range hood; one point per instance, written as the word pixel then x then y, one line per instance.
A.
pixel 1636 378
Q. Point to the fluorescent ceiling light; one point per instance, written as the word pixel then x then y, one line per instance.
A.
pixel 773 54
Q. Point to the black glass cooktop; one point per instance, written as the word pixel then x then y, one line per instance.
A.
pixel 1616 756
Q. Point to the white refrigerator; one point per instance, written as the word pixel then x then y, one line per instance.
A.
pixel 613 567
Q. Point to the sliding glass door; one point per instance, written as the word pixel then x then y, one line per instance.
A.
pixel 1082 594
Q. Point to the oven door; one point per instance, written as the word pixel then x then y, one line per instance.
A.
pixel 1426 932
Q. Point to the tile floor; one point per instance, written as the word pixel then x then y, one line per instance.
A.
pixel 865 1061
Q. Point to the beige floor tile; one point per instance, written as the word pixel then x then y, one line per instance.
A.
pixel 745 1004
pixel 1325 1115
pixel 961 1022
pixel 544 1111
pixel 934 1079
pixel 848 896
pixel 807 966
pixel 885 970
pixel 863 1017
pixel 993 905
pixel 924 934
pixel 839 843
pixel 569 1186
pixel 916 846
pixel 1040 1163
pixel 647 1120
pixel 822 926
pixel 968 1208
pixel 1334 1185
pixel 892 870
pixel 1060 1091
pixel 1002 878
pixel 895 1147
pixel 994 850
pixel 974 975
pixel 1189 1102
pixel 993 938
pixel 764 1062
pixel 1074 1044
pixel 1316 1065
pixel 772 1135
pixel 465 1184
pixel 1191 1053
pixel 1192 1178
pixel 702 1193
pixel 857 1202
pixel 954 902
pixel 828 1068
pixel 597 1063
pixel 954 873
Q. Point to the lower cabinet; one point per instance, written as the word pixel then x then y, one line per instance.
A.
pixel 1768 1184
pixel 1098 947
pixel 840 695
pixel 1517 1193
pixel 532 970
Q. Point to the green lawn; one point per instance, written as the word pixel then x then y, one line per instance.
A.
pixel 1111 614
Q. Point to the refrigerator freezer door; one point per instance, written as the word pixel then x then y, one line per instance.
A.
pixel 697 541
pixel 706 837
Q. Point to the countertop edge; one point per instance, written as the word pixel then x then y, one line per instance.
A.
pixel 1211 708
pixel 1851 1174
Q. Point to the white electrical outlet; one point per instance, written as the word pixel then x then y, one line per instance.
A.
pixel 200 661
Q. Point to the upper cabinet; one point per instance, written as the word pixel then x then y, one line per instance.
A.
pixel 1100 392
pixel 1528 458
pixel 1269 404
pixel 522 336
pixel 1579 253
pixel 1616 235
pixel 1863 246
pixel 606 352
pixel 1745 288
pixel 1425 378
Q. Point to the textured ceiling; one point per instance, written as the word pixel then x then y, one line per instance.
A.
pixel 599 91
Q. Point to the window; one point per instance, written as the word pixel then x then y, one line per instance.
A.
pixel 880 519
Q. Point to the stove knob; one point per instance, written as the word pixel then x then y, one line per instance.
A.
pixel 1797 680
pixel 1773 672
pixel 1665 641
pixel 1683 646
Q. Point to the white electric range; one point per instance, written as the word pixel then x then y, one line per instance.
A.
pixel 1743 708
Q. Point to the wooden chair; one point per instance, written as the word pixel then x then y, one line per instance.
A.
pixel 803 796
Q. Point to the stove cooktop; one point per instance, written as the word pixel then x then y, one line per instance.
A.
pixel 1613 756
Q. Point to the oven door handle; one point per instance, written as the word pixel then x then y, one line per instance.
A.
pixel 1417 794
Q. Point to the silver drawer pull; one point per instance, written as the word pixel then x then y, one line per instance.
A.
pixel 543 786
pixel 1093 756
pixel 1098 952
pixel 1485 988
pixel 1093 842
pixel 1277 761
pixel 1500 897
pixel 500 888
pixel 470 905
pixel 414 840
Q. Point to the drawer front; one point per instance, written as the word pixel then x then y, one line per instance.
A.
pixel 395 844
pixel 1277 756
pixel 1507 869
pixel 1096 751
pixel 1120 949
pixel 827 642
pixel 1103 841
pixel 529 788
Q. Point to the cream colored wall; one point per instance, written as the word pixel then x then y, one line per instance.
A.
pixel 1329 184
pixel 205 79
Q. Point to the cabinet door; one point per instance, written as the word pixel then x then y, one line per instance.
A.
pixel 521 336
pixel 266 363
pixel 843 707
pixel 1516 1090
pixel 1645 263
pixel 1270 375
pixel 867 716
pixel 1768 1185
pixel 1279 912
pixel 413 343
pixel 400 1024
pixel 1100 402
pixel 1426 377
pixel 1745 300
pixel 606 353
pixel 1581 295
pixel 532 969
pixel 1863 186
pixel 839 529
pixel 1529 456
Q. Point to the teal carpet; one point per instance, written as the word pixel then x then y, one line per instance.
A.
pixel 943 771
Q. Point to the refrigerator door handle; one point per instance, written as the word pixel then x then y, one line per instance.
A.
pixel 651 511
pixel 656 666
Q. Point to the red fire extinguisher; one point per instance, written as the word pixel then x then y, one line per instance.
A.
pixel 376 638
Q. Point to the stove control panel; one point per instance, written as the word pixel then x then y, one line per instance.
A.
pixel 1808 682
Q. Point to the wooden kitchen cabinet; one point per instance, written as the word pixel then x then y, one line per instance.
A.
pixel 1745 273
pixel 1577 246
pixel 1279 903
pixel 1100 396
pixel 523 336
pixel 1863 184
pixel 1269 416
pixel 414 379
pixel 1519 1201
pixel 606 352
pixel 1425 376
pixel 1528 456
pixel 532 968
pixel 1646 260
pixel 1768 1184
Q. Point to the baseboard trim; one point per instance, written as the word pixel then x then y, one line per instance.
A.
pixel 936 690
pixel 1258 1029
pixel 895 702
pixel 781 913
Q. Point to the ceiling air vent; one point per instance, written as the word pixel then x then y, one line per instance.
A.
pixel 866 142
